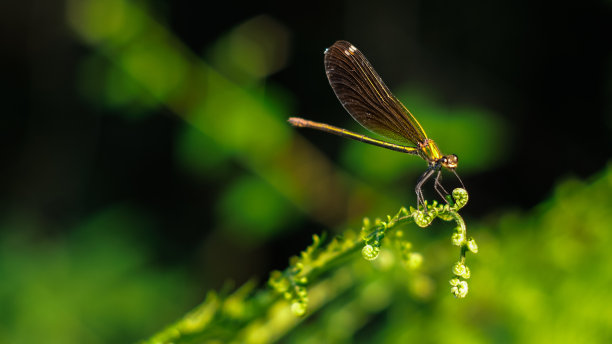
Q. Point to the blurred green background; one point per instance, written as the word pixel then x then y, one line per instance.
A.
pixel 146 160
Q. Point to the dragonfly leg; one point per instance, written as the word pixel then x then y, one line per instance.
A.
pixel 439 188
pixel 460 181
pixel 419 186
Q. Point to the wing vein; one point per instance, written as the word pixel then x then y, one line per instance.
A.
pixel 365 96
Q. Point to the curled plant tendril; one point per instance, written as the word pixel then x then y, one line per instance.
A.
pixel 372 235
pixel 459 288
pixel 317 258
pixel 461 270
pixel 370 252
pixel 293 281
pixel 303 269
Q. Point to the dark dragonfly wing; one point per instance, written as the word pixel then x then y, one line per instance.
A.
pixel 366 97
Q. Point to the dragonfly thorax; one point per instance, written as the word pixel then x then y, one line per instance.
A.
pixel 430 152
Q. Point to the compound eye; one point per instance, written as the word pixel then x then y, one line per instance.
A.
pixel 450 161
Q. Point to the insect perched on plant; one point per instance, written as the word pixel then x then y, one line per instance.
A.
pixel 370 102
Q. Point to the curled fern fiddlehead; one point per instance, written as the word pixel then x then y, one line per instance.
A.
pixel 292 282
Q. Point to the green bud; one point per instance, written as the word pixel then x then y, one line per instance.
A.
pixel 461 270
pixel 422 219
pixel 298 308
pixel 461 197
pixel 458 239
pixel 370 252
pixel 459 288
pixel 472 246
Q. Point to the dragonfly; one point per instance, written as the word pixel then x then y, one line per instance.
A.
pixel 364 95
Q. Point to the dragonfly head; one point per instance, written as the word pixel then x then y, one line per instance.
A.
pixel 449 161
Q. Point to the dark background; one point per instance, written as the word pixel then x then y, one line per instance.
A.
pixel 543 68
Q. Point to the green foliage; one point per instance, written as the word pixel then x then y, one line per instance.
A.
pixel 542 277
pixel 325 268
pixel 93 286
